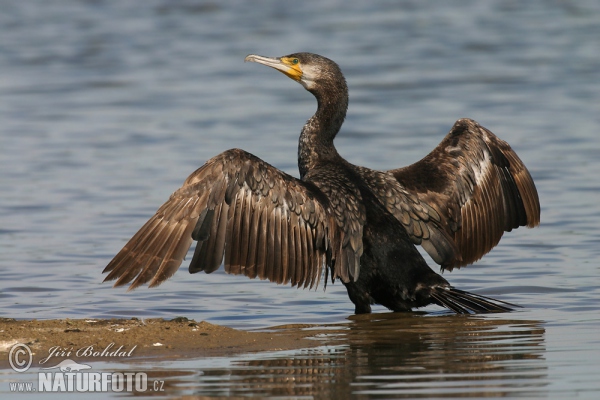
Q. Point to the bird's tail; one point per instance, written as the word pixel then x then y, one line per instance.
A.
pixel 462 302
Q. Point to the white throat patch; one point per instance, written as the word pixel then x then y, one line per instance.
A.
pixel 309 74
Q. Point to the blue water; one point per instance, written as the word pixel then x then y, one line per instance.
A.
pixel 106 107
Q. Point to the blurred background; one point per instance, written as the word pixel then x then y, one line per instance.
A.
pixel 106 107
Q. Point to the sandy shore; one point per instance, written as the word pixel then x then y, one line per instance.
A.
pixel 95 339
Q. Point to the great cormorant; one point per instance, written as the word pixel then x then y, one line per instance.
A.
pixel 362 225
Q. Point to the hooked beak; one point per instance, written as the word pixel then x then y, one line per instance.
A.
pixel 292 71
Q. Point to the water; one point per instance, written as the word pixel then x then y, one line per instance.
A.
pixel 107 106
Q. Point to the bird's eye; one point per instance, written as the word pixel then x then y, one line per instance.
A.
pixel 295 61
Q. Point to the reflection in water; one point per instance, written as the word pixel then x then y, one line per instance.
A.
pixel 395 355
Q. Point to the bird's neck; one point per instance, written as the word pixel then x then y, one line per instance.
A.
pixel 316 138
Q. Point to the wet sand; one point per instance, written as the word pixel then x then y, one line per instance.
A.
pixel 95 339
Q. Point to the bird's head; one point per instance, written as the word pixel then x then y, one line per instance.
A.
pixel 306 68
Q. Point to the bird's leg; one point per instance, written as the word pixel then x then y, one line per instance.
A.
pixel 361 298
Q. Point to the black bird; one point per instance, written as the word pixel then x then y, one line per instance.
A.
pixel 362 225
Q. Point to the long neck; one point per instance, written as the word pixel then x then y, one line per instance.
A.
pixel 316 138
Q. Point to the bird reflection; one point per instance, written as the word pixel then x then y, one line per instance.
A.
pixel 397 354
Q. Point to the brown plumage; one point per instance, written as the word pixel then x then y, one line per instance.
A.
pixel 239 200
pixel 358 223
pixel 479 186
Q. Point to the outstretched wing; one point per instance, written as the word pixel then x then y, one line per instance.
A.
pixel 267 224
pixel 478 185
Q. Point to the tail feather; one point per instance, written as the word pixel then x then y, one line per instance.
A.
pixel 462 302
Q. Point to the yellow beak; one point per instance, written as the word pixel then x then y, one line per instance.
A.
pixel 283 64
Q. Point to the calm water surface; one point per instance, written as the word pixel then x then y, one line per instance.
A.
pixel 106 107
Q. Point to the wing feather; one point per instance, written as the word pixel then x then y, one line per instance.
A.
pixel 262 244
pixel 264 222
pixel 308 239
pixel 270 261
pixel 293 264
pixel 244 231
pixel 231 238
pixel 232 265
pixel 216 252
pixel 478 186
pixel 284 246
pixel 252 266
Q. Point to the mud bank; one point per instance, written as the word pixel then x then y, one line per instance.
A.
pixel 125 339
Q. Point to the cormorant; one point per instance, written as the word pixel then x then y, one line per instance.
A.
pixel 362 225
